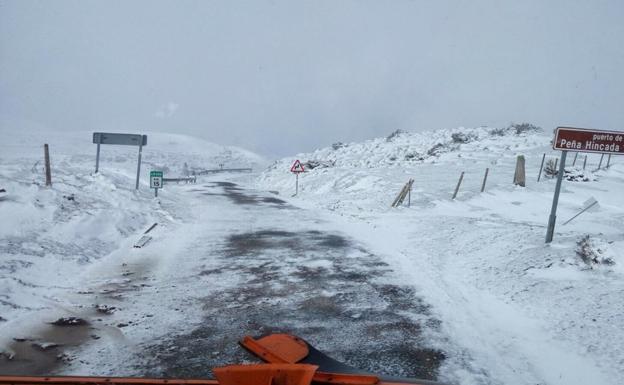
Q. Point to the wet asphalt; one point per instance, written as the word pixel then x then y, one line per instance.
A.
pixel 318 285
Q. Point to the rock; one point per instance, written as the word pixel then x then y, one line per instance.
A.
pixel 105 309
pixel 69 321
pixel 45 345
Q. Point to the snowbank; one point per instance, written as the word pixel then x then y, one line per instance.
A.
pixel 526 312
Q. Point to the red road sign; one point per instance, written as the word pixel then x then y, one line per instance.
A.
pixel 586 140
pixel 297 167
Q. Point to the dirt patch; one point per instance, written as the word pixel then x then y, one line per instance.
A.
pixel 49 348
pixel 43 353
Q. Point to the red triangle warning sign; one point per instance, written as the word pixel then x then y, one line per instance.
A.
pixel 297 167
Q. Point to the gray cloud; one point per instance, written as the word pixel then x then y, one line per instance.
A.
pixel 284 76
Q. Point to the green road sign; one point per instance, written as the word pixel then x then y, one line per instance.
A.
pixel 156 179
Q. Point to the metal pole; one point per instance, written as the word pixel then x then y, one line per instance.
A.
pixel 609 161
pixel 582 211
pixel 542 167
pixel 487 170
pixel 48 172
pixel 461 177
pixel 556 163
pixel 409 196
pixel 553 211
pixel 600 164
pixel 585 162
pixel 297 184
pixel 155 193
pixel 97 159
pixel 139 163
pixel 575 156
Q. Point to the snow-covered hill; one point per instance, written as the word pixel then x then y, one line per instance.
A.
pixel 50 236
pixel 527 311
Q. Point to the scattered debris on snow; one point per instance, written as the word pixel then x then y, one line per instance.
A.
pixel 69 321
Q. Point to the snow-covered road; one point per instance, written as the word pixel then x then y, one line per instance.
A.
pixel 231 262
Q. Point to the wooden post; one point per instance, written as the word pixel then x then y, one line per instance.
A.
pixel 461 177
pixel 520 175
pixel 609 161
pixel 542 167
pixel 575 156
pixel 48 171
pixel 405 191
pixel 585 162
pixel 487 170
pixel 600 164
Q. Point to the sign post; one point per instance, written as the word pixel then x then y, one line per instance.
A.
pixel 97 158
pixel 553 211
pixel 296 169
pixel 139 166
pixel 580 140
pixel 156 181
pixel 119 139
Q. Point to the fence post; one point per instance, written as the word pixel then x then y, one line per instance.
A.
pixel 520 175
pixel 542 167
pixel 601 158
pixel 48 171
pixel 461 177
pixel 487 169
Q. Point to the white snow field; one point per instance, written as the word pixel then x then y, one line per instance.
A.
pixel 526 311
pixel 500 305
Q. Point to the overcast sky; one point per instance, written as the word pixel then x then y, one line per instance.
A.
pixel 280 77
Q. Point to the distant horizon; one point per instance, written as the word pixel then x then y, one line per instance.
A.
pixel 4 124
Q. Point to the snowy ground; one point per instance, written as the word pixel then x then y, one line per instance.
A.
pixel 465 290
pixel 527 312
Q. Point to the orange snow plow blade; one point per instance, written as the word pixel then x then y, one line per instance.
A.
pixel 260 374
pixel 286 348
pixel 75 380
pixel 266 374
pixel 277 348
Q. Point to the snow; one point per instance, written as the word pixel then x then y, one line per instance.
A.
pixel 513 309
pixel 525 311
pixel 53 239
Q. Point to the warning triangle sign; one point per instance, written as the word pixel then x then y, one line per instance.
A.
pixel 297 167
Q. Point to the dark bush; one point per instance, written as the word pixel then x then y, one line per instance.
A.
pixel 589 255
pixel 338 145
pixel 498 131
pixel 524 127
pixel 396 133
